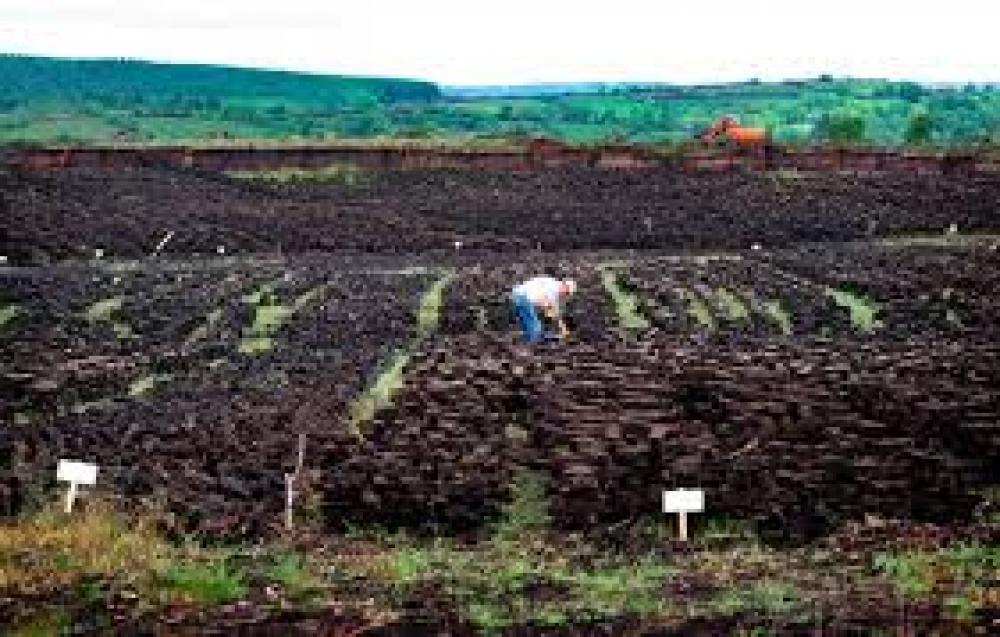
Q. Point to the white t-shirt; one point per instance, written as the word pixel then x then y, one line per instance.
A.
pixel 542 290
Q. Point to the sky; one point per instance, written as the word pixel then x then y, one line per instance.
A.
pixel 469 42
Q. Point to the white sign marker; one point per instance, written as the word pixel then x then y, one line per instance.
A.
pixel 682 502
pixel 76 473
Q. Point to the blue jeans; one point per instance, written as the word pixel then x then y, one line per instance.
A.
pixel 527 316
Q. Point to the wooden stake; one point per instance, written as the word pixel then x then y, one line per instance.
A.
pixel 302 454
pixel 682 526
pixel 70 497
pixel 289 499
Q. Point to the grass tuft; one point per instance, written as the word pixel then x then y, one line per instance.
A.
pixel 770 597
pixel 210 583
pixel 698 309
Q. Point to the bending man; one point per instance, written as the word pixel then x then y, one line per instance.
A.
pixel 541 294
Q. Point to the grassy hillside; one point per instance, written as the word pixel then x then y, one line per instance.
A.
pixel 46 99
pixel 99 101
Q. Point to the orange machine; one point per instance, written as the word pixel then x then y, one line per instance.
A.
pixel 729 128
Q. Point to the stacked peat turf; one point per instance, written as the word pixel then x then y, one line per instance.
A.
pixel 797 437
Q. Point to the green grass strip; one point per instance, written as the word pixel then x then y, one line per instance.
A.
pixel 429 312
pixel 864 312
pixel 389 381
pixel 731 304
pixel 626 304
pixel 698 309
pixel 8 313
pixel 346 174
pixel 777 313
pixel 142 386
pixel 270 316
pixel 105 311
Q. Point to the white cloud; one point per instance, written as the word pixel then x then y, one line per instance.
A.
pixel 516 41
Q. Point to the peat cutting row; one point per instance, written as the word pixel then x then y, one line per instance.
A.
pixel 130 213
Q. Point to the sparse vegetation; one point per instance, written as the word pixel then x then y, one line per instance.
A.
pixel 50 550
pixel 346 174
pixel 214 582
pixel 962 572
pixel 770 597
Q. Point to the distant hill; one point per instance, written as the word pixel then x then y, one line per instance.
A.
pixel 25 79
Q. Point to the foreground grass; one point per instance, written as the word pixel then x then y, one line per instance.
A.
pixel 963 571
pixel 52 550
pixel 516 573
pixel 514 577
pixel 212 582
